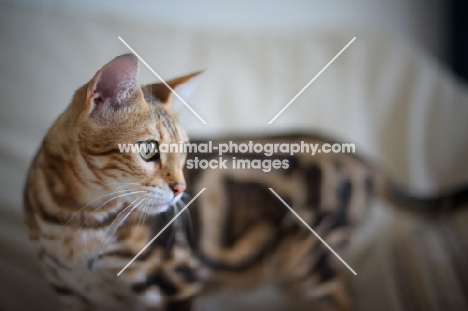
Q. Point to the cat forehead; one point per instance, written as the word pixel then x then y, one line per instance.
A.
pixel 162 122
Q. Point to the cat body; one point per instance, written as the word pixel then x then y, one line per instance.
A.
pixel 91 209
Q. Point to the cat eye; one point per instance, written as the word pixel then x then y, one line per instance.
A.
pixel 149 150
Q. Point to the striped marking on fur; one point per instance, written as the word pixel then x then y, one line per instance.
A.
pixel 162 230
pixel 312 230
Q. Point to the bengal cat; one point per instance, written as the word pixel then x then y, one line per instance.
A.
pixel 91 208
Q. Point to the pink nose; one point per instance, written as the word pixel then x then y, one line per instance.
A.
pixel 178 188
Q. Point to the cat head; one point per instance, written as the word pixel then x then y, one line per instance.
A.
pixel 119 126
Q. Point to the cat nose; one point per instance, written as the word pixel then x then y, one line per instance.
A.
pixel 178 188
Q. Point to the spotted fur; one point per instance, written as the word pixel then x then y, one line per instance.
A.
pixel 90 208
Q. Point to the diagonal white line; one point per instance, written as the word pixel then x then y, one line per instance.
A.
pixel 161 79
pixel 308 227
pixel 162 230
pixel 310 82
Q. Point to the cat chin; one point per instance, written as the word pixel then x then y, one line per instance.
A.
pixel 157 209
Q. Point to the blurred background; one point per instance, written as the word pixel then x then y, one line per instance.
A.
pixel 398 92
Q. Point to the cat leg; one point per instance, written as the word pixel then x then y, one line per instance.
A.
pixel 305 269
pixel 73 303
pixel 174 304
pixel 173 289
pixel 332 295
pixel 186 304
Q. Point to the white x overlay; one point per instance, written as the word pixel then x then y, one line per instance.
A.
pixel 313 79
pixel 312 230
pixel 162 80
pixel 162 230
pixel 271 121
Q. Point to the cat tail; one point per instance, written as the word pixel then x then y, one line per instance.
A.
pixel 444 202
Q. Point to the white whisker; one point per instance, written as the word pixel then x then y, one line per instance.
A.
pixel 112 229
pixel 123 195
pixel 94 200
pixel 143 212
pixel 146 214
pixel 124 186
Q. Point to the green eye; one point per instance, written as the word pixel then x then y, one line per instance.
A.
pixel 149 150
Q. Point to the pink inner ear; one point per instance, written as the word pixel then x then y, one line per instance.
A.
pixel 118 79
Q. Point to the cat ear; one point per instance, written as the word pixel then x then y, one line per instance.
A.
pixel 183 86
pixel 114 85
